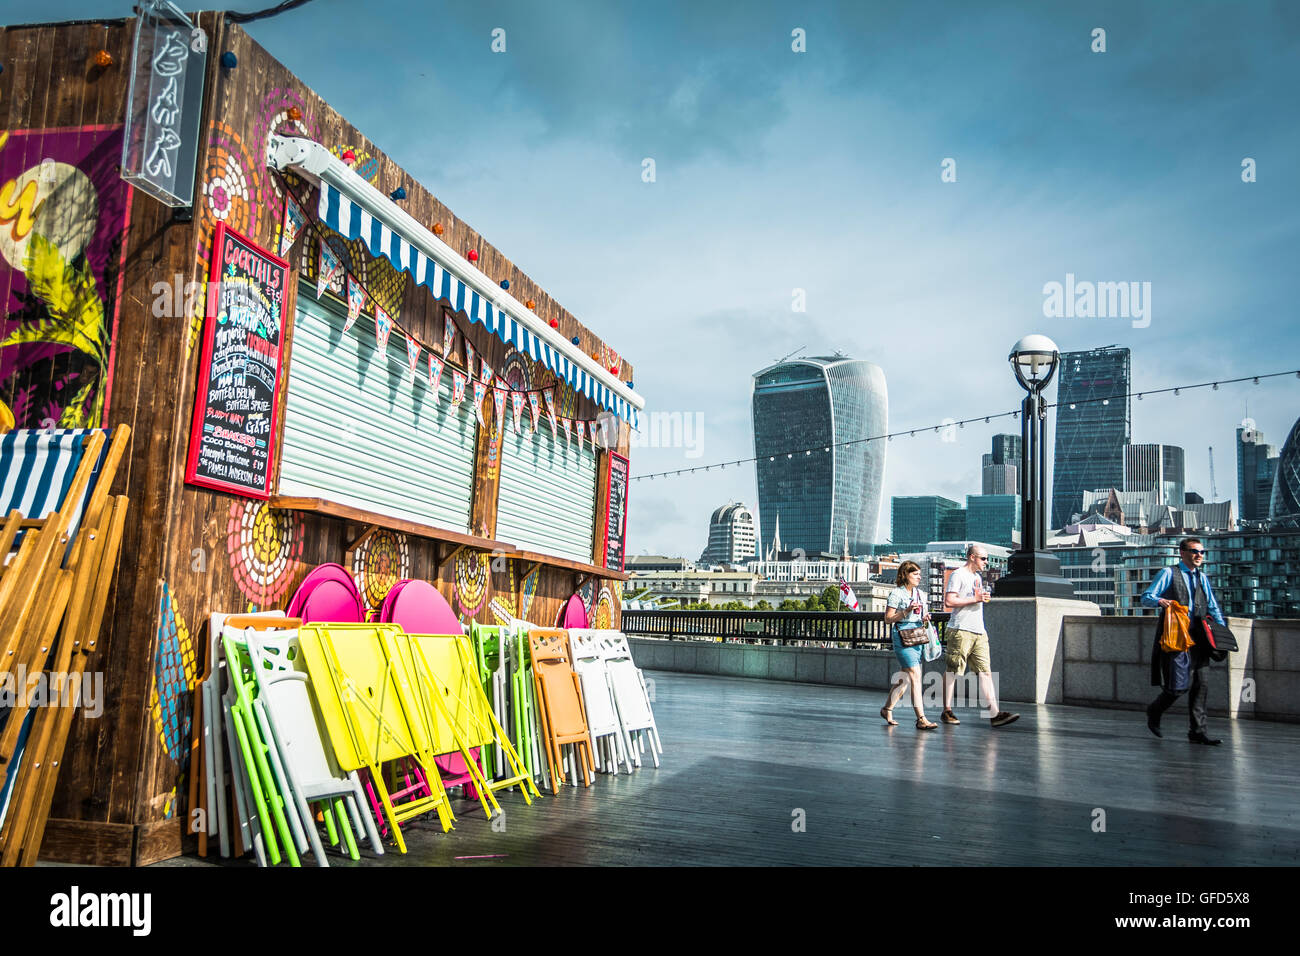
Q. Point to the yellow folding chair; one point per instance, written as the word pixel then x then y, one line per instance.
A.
pixel 457 712
pixel 364 697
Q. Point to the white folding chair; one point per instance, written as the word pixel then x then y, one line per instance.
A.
pixel 609 743
pixel 631 697
pixel 287 713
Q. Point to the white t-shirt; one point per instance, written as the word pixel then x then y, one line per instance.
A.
pixel 901 597
pixel 963 583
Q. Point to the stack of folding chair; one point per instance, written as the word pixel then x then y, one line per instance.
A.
pixel 280 765
pixel 368 706
pixel 559 706
pixel 457 715
pixel 631 697
pixel 60 535
pixel 611 744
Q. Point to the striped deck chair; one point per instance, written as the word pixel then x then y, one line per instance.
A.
pixel 36 471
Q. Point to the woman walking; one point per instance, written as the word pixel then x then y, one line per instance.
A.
pixel 907 610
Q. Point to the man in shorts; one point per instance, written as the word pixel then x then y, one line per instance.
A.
pixel 968 642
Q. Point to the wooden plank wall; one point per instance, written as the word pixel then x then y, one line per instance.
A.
pixel 49 82
pixel 189 551
pixel 229 553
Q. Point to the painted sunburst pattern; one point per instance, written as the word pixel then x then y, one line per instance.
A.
pixel 381 561
pixel 473 569
pixel 604 615
pixel 230 188
pixel 265 547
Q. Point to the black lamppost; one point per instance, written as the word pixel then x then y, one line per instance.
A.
pixel 1031 571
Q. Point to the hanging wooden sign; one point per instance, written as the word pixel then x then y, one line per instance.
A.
pixel 232 435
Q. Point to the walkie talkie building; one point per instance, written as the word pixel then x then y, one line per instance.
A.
pixel 825 498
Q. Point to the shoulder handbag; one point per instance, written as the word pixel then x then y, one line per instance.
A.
pixel 914 635
pixel 1222 641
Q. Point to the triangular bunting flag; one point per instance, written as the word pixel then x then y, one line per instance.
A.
pixel 517 406
pixel 499 400
pixel 327 268
pixel 549 395
pixel 448 335
pixel 534 406
pixel 487 373
pixel 568 430
pixel 383 327
pixel 469 359
pixel 435 373
pixel 581 428
pixel 293 220
pixel 480 390
pixel 457 387
pixel 412 354
pixel 356 299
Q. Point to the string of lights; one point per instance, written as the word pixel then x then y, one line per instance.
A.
pixel 912 432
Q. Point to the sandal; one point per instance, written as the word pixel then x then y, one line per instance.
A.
pixel 923 724
pixel 888 714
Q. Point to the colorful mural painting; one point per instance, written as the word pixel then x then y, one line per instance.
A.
pixel 63 218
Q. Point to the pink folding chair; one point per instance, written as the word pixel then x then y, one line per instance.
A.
pixel 328 595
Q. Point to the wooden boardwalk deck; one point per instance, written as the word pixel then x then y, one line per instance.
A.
pixel 742 756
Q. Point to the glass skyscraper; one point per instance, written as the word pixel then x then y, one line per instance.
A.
pixel 993 519
pixel 822 497
pixel 1092 427
pixel 1158 468
pixel 916 520
pixel 1284 509
pixel 1256 465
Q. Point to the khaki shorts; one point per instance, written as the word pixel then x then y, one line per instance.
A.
pixel 964 647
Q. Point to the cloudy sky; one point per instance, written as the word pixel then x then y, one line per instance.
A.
pixel 820 171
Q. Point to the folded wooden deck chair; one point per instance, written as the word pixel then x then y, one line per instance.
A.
pixel 361 688
pixel 631 697
pixel 287 710
pixel 598 699
pixel 559 700
pixel 59 545
pixel 459 715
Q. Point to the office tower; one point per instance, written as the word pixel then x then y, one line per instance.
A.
pixel 1284 503
pixel 1256 463
pixel 1007 450
pixel 993 519
pixel 732 536
pixel 916 520
pixel 1092 427
pixel 801 408
pixel 1001 470
pixel 1158 468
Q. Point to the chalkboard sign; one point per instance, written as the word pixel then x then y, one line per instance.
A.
pixel 232 436
pixel 616 512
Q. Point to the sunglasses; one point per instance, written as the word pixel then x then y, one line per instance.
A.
pixel 1200 551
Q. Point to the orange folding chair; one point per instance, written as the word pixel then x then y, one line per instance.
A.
pixel 564 718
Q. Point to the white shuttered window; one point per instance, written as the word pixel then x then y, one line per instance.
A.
pixel 547 497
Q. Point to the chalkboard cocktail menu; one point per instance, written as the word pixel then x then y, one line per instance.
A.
pixel 616 512
pixel 233 432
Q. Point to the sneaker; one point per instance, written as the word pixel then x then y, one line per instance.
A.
pixel 948 717
pixel 1002 718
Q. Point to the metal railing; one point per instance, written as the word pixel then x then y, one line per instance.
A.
pixel 822 628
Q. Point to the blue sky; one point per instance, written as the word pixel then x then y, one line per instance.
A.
pixel 820 171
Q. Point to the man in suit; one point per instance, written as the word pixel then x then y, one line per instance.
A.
pixel 1176 673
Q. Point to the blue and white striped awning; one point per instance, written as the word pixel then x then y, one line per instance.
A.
pixel 353 221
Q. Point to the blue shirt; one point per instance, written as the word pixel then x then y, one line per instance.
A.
pixel 1153 594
